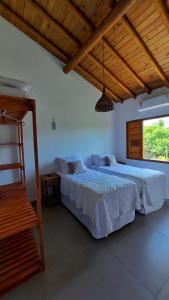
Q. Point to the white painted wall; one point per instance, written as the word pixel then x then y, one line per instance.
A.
pixel 129 111
pixel 68 98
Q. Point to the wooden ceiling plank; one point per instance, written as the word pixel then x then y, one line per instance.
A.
pixel 112 76
pixel 127 67
pixel 144 48
pixel 91 27
pixel 52 21
pixel 18 22
pixel 117 12
pixel 163 10
pixel 79 15
pixel 97 83
pixel 29 30
pixel 111 50
pixel 77 44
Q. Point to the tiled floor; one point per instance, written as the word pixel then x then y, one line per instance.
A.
pixel 133 263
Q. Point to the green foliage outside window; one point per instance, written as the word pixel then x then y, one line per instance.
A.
pixel 156 141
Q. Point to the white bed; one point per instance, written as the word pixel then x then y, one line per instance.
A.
pixel 103 203
pixel 152 185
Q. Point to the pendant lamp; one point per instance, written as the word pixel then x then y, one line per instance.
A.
pixel 104 104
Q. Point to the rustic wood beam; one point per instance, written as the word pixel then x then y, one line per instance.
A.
pixel 18 22
pixel 112 76
pixel 144 48
pixel 91 27
pixel 77 44
pixel 126 66
pixel 29 30
pixel 163 10
pixel 73 8
pixel 97 83
pixel 117 12
pixel 35 5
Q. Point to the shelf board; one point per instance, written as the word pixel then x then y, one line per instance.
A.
pixel 11 144
pixel 19 260
pixel 16 212
pixel 10 166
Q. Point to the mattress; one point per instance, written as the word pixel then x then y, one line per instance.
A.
pixel 151 184
pixel 103 203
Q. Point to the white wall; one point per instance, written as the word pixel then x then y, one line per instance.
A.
pixel 129 111
pixel 68 98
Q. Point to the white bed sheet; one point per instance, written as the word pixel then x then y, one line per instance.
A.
pixel 151 184
pixel 103 198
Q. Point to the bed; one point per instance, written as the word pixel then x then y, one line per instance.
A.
pixel 151 185
pixel 103 203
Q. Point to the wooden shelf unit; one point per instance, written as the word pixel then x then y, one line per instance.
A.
pixel 13 166
pixel 20 256
pixel 14 206
pixel 19 260
pixel 10 144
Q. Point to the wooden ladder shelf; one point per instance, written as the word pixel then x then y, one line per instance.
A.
pixel 20 256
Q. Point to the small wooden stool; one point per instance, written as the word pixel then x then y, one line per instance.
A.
pixel 50 185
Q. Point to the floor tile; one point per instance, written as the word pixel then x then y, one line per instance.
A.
pixel 93 274
pixel 32 289
pixel 164 292
pixel 159 219
pixel 133 263
pixel 144 252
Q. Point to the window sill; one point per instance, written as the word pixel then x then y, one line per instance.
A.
pixel 151 160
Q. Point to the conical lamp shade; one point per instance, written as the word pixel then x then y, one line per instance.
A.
pixel 104 104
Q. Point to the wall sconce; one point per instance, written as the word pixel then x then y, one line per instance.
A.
pixel 53 124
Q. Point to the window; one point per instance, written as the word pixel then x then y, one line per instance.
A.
pixel 148 139
pixel 156 139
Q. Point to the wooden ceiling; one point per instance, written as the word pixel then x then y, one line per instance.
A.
pixel 135 34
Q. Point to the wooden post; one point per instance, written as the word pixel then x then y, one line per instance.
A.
pixel 37 180
pixel 21 146
pixel 20 154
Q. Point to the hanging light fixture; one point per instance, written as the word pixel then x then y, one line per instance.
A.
pixel 104 104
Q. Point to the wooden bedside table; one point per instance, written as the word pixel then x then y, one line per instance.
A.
pixel 50 185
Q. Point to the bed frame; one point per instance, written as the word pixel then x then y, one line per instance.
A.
pixel 20 258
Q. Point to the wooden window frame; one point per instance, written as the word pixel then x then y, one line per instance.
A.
pixel 143 159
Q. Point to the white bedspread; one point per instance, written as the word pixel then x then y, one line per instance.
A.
pixel 91 188
pixel 151 184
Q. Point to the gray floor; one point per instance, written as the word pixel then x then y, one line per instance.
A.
pixel 133 263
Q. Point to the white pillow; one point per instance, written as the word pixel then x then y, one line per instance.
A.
pixel 112 158
pixel 64 169
pixel 98 160
pixel 76 167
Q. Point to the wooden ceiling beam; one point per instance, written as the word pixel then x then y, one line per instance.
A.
pixel 112 76
pixel 73 8
pixel 127 67
pixel 29 30
pixel 91 27
pixel 52 21
pixel 77 44
pixel 97 83
pixel 163 10
pixel 118 10
pixel 18 22
pixel 144 48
